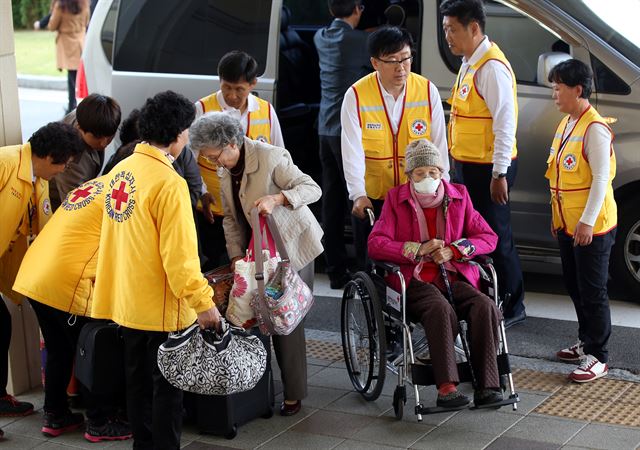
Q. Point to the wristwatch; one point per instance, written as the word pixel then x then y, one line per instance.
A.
pixel 497 175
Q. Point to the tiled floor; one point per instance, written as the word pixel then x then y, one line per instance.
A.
pixel 552 414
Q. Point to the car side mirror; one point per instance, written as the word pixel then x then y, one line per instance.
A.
pixel 546 62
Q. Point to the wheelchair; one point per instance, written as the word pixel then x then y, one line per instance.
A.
pixel 371 311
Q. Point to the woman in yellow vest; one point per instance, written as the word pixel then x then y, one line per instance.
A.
pixel 24 201
pixel 580 168
pixel 57 275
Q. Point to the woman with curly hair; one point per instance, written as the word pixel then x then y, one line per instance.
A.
pixel 70 19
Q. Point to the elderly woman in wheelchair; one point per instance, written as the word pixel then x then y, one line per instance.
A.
pixel 429 228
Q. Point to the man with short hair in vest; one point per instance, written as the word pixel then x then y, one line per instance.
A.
pixel 482 137
pixel 238 73
pixel 382 113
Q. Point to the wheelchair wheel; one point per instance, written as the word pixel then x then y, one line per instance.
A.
pixel 363 336
pixel 399 400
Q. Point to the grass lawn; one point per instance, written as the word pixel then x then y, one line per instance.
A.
pixel 36 53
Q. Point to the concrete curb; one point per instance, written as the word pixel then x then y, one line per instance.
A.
pixel 42 82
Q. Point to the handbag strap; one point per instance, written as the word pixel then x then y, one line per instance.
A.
pixel 257 250
pixel 277 237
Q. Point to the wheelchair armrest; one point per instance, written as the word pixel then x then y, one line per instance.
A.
pixel 387 266
pixel 483 260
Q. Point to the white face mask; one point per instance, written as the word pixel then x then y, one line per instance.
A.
pixel 427 185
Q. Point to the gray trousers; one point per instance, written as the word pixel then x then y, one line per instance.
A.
pixel 291 351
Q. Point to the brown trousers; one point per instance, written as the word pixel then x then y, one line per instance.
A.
pixel 428 305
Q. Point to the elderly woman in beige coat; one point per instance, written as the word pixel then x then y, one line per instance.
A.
pixel 70 19
pixel 256 174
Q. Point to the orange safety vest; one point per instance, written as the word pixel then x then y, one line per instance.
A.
pixel 569 176
pixel 471 124
pixel 384 150
pixel 258 129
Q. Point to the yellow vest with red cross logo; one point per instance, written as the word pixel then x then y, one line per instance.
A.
pixel 471 124
pixel 258 129
pixel 570 177
pixel 384 150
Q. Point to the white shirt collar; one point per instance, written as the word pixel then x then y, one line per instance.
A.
pixel 384 91
pixel 252 103
pixel 33 175
pixel 479 52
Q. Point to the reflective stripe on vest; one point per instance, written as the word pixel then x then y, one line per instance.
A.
pixel 384 150
pixel 471 124
pixel 569 176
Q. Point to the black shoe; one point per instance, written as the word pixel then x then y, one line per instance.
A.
pixel 338 281
pixel 56 424
pixel 453 399
pixel 12 407
pixel 482 397
pixel 111 430
pixel 515 319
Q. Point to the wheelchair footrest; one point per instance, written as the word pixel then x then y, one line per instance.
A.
pixel 507 401
pixel 437 409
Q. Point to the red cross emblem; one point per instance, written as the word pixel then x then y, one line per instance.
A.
pixel 81 193
pixel 120 196
pixel 464 91
pixel 569 162
pixel 419 127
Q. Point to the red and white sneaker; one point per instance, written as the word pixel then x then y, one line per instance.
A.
pixel 572 354
pixel 589 369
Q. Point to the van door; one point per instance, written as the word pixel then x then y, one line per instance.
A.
pixel 177 45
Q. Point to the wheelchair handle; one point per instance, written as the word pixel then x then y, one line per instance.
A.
pixel 372 217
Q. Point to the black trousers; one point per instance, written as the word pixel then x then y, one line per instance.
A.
pixel 5 340
pixel 71 86
pixel 335 204
pixel 212 242
pixel 585 270
pixel 154 406
pixel 61 340
pixel 477 177
pixel 361 230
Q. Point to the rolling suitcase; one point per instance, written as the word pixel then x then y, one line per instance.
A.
pixel 223 414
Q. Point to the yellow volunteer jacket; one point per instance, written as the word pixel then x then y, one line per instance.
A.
pixel 258 129
pixel 148 275
pixel 569 176
pixel 471 125
pixel 59 268
pixel 25 211
pixel 384 150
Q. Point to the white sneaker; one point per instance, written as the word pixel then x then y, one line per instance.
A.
pixel 572 354
pixel 589 369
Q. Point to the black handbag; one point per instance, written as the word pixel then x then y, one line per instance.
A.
pixel 100 358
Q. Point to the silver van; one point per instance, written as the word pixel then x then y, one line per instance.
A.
pixel 135 48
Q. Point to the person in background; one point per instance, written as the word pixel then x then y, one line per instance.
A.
pixel 263 176
pixel 427 223
pixel 24 200
pixel 97 118
pixel 342 50
pixel 70 19
pixel 57 275
pixel 382 113
pixel 148 277
pixel 482 137
pixel 238 73
pixel 580 168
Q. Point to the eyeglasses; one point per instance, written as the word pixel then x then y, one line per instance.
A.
pixel 360 7
pixel 405 61
pixel 212 161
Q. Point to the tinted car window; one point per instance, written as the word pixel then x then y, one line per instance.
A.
pixel 108 28
pixel 189 36
pixel 521 39
pixel 606 81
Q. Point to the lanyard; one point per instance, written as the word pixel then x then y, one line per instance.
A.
pixel 565 139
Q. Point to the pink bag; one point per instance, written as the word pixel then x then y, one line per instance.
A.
pixel 285 300
pixel 239 311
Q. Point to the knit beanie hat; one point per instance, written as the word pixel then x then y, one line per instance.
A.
pixel 421 153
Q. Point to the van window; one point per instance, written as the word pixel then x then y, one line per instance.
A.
pixel 189 37
pixel 308 12
pixel 520 38
pixel 606 81
pixel 108 28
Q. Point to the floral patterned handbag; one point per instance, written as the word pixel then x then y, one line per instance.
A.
pixel 285 300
